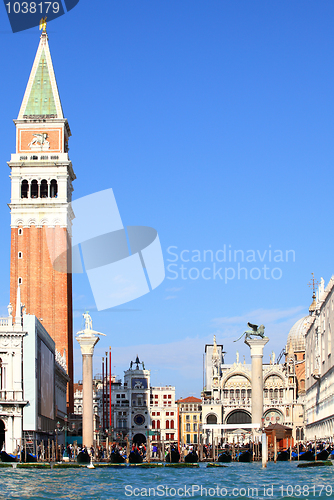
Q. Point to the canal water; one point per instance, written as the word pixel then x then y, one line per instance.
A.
pixel 245 480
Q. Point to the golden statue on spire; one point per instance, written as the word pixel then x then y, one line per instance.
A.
pixel 42 24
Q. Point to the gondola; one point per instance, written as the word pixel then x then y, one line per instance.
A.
pixel 225 457
pixel 116 458
pixel 7 458
pixel 245 456
pixel 191 458
pixel 173 456
pixel 30 458
pixel 83 458
pixel 322 455
pixel 283 456
pixel 135 458
pixel 309 455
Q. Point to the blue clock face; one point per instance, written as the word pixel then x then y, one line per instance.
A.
pixel 139 419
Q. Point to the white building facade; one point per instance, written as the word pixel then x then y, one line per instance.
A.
pixel 33 382
pixel 320 365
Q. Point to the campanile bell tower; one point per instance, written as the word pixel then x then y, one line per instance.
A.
pixel 41 214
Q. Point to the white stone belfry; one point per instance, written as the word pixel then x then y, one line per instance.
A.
pixel 256 351
pixel 87 339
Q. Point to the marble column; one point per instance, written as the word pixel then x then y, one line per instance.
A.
pixel 256 351
pixel 87 340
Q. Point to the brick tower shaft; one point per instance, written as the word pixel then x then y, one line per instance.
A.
pixel 41 214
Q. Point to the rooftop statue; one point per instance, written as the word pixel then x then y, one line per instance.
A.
pixel 254 330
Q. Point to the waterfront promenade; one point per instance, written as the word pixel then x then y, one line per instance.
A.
pixel 237 480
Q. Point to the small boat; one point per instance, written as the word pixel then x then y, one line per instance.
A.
pixel 283 456
pixel 317 463
pixel 215 464
pixel 5 457
pixel 309 455
pixel 225 457
pixel 30 458
pixel 322 455
pixel 245 456
pixel 135 458
pixel 191 458
pixel 116 458
pixel 83 458
pixel 173 456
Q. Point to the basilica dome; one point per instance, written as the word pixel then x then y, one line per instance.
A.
pixel 296 337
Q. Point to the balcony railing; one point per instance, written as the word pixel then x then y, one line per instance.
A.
pixel 212 401
pixel 4 322
pixel 11 396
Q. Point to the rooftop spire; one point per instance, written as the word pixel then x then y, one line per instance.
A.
pixel 41 96
pixel 313 283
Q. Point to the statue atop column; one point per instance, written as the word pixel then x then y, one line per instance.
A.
pixel 88 321
pixel 256 330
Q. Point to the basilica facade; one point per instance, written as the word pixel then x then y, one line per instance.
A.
pixel 227 396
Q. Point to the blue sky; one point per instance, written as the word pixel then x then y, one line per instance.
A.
pixel 213 123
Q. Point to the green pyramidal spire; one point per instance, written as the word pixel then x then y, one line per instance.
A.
pixel 41 97
pixel 41 100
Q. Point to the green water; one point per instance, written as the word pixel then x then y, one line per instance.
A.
pixel 236 481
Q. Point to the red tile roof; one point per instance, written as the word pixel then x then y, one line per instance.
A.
pixel 190 399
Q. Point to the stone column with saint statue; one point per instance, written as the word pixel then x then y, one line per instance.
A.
pixel 87 339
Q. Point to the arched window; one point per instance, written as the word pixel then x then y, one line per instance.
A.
pixel 237 393
pixel 232 393
pixel 276 394
pixel 167 424
pixel 24 189
pixel 211 419
pixel 53 189
pixel 239 417
pixel 153 424
pixel 249 393
pixel 158 424
pixel 265 393
pixel 271 394
pixel 34 189
pixel 172 424
pixel 243 393
pixel 44 189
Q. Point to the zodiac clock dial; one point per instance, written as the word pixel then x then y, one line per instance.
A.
pixel 139 419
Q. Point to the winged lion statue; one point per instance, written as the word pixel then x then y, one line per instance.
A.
pixel 254 330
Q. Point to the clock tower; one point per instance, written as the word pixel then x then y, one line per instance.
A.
pixel 40 207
